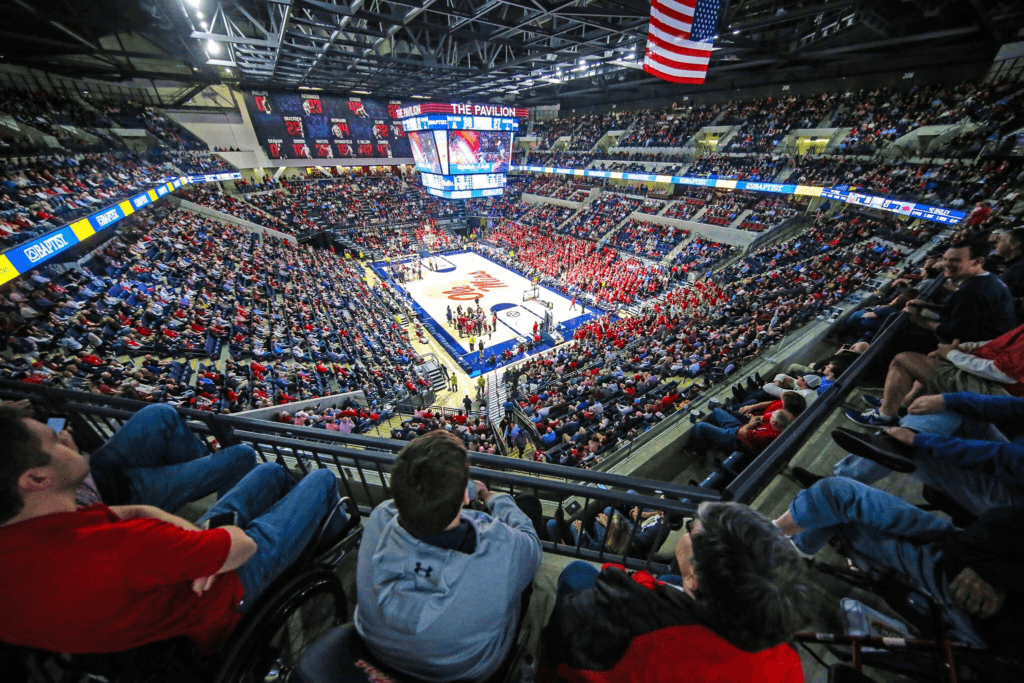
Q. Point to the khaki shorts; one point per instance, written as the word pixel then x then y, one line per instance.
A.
pixel 947 378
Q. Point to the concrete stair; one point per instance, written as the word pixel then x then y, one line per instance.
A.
pixel 739 219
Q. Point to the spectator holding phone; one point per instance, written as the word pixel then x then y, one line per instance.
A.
pixel 105 578
pixel 440 587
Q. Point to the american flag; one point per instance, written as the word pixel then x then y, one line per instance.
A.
pixel 678 39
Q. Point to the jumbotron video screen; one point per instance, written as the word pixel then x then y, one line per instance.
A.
pixel 452 140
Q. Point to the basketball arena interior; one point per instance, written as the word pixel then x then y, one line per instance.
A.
pixel 720 300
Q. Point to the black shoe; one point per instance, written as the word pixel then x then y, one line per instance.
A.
pixel 961 516
pixel 805 478
pixel 751 385
pixel 878 447
pixel 757 378
pixel 738 392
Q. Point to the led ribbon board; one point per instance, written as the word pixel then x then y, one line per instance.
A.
pixel 25 257
pixel 923 211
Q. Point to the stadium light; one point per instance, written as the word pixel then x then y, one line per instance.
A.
pixel 213 47
pixel 204 25
pixel 199 15
pixel 194 3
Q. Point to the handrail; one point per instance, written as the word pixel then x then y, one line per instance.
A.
pixel 753 479
pixel 362 471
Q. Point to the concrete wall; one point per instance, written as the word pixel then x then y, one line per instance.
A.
pixel 541 199
pixel 715 233
pixel 309 404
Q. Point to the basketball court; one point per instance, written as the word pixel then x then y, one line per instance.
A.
pixel 463 278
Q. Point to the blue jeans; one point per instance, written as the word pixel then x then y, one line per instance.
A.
pixel 577 576
pixel 165 464
pixel 280 516
pixel 976 490
pixel 881 530
pixel 718 432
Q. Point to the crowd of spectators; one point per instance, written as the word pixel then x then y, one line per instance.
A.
pixel 652 206
pixel 548 132
pixel 575 266
pixel 127 114
pixel 762 167
pixel 878 117
pixel 592 127
pixel 650 240
pixel 700 255
pixel 726 206
pixel 557 187
pixel 770 212
pixel 307 321
pixel 765 122
pixel 601 215
pixel 689 204
pixel 40 194
pixel 670 127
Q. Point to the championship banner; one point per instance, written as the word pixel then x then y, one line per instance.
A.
pixel 29 255
pixel 934 214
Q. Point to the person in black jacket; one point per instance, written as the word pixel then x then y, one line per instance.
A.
pixel 980 308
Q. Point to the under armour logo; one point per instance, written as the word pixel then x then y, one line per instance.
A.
pixel 426 570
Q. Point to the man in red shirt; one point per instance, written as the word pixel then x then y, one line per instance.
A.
pixel 765 421
pixel 104 579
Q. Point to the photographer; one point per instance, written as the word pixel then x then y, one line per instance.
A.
pixel 440 587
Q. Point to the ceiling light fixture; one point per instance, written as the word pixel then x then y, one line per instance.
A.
pixel 199 15
pixel 213 47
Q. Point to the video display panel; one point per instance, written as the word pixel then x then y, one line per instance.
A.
pixel 297 125
pixel 424 151
pixel 475 151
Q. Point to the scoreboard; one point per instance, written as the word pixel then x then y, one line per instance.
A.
pixel 461 150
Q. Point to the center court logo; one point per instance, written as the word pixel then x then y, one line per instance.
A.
pixel 479 284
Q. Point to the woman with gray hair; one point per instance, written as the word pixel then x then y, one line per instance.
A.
pixel 741 594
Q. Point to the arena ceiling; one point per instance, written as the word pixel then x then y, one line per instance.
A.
pixel 531 52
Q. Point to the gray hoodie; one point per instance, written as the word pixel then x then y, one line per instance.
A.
pixel 444 615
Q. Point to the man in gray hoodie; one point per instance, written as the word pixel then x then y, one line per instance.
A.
pixel 439 586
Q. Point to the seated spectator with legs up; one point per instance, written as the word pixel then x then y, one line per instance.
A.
pixel 994 367
pixel 953 443
pixel 441 587
pixel 155 460
pixel 725 432
pixel 741 595
pixel 973 574
pixel 106 579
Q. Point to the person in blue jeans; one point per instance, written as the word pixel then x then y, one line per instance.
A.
pixel 973 574
pixel 154 459
pixel 281 516
pixel 105 578
pixel 961 450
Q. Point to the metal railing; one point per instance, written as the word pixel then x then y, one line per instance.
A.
pixel 362 464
